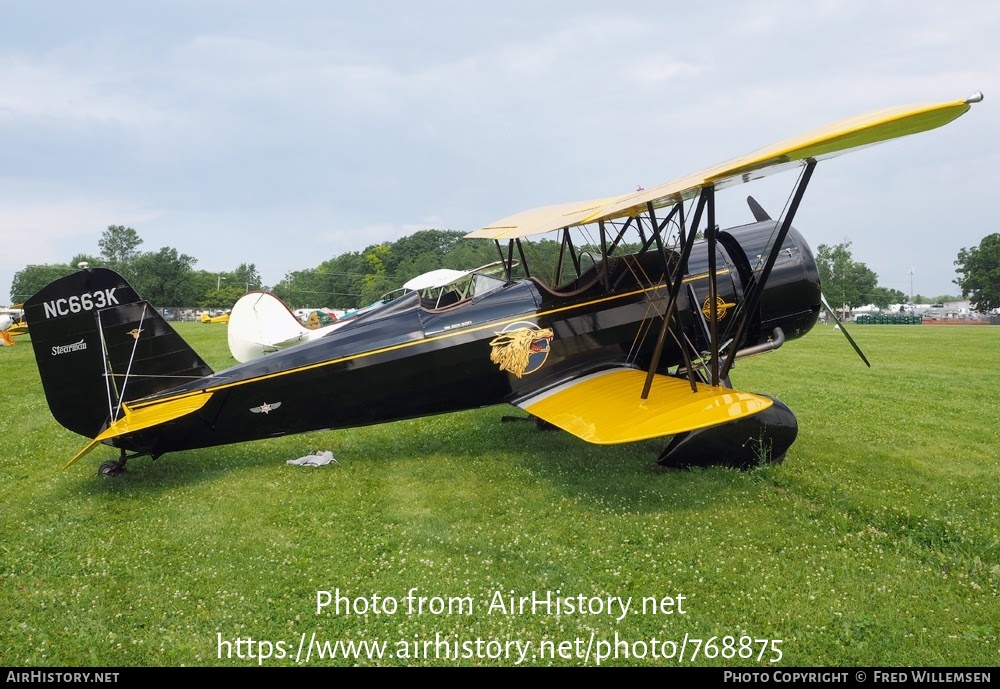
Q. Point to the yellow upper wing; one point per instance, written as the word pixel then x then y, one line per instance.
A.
pixel 819 144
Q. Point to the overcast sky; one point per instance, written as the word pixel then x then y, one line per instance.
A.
pixel 282 134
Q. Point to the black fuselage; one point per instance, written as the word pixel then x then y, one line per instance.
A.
pixel 106 361
pixel 405 361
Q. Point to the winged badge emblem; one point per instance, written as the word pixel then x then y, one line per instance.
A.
pixel 265 408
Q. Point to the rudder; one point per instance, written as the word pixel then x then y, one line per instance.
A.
pixel 97 344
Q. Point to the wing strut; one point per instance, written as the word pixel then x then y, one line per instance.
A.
pixel 675 288
pixel 524 260
pixel 604 256
pixel 572 251
pixel 655 232
pixel 713 317
pixel 621 234
pixel 758 288
pixel 688 364
pixel 557 278
pixel 503 260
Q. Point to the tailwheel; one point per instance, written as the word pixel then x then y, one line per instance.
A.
pixel 113 467
pixel 762 438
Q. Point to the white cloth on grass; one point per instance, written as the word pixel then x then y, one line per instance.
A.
pixel 317 459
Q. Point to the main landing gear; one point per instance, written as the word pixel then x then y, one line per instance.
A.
pixel 540 424
pixel 762 438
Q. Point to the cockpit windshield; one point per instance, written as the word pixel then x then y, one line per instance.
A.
pixel 483 284
pixel 465 287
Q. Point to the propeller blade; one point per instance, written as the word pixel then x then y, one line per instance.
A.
pixel 759 214
pixel 829 310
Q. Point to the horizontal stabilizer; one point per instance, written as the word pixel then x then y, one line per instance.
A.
pixel 605 407
pixel 143 418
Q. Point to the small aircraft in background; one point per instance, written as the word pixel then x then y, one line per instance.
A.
pixel 18 325
pixel 221 318
pixel 261 323
pixel 12 323
pixel 636 342
pixel 6 339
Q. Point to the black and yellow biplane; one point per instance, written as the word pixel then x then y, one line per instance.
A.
pixel 633 338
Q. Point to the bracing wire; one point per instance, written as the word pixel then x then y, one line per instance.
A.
pixel 131 358
pixel 107 376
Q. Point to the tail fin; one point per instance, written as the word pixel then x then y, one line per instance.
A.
pixel 98 344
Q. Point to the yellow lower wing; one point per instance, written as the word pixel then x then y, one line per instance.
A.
pixel 605 408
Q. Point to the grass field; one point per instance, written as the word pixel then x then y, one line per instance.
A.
pixel 877 542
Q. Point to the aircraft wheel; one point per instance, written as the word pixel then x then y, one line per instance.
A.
pixel 110 468
pixel 762 438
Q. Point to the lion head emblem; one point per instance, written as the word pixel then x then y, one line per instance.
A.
pixel 521 348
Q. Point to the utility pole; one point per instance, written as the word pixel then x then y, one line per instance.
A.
pixel 912 270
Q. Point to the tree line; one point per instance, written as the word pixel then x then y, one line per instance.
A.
pixel 850 282
pixel 169 278
pixel 163 278
pixel 979 273
pixel 359 278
